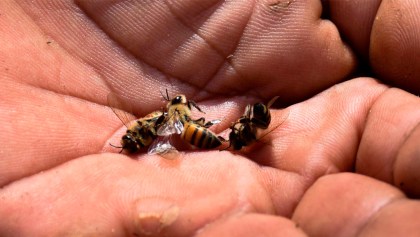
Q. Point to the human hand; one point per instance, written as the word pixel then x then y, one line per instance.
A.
pixel 335 164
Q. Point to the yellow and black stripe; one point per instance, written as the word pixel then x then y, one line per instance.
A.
pixel 261 116
pixel 200 136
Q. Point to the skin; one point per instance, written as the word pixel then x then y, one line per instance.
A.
pixel 340 160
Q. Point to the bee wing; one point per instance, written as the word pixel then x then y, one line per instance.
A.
pixel 122 110
pixel 161 146
pixel 275 126
pixel 179 127
pixel 215 121
pixel 171 126
pixel 166 129
pixel 271 102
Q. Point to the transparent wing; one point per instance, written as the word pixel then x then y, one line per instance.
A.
pixel 271 102
pixel 215 121
pixel 248 110
pixel 210 123
pixel 161 146
pixel 265 133
pixel 166 129
pixel 171 126
pixel 179 126
pixel 122 110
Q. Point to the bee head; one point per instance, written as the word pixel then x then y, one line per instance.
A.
pixel 179 99
pixel 129 143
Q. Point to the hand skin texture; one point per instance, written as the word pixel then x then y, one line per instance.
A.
pixel 341 158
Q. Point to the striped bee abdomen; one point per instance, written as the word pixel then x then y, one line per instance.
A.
pixel 261 117
pixel 199 136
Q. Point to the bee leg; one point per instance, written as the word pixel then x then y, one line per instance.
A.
pixel 122 148
pixel 224 140
pixel 190 102
pixel 208 124
pixel 160 119
pixel 200 122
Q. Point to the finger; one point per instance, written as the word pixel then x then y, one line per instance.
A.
pixel 79 55
pixel 53 67
pixel 191 35
pixel 251 225
pixel 394 44
pixel 355 205
pixel 280 43
pixel 43 129
pixel 111 195
pixel 46 70
pixel 320 135
pixel 407 166
pixel 393 117
pixel 344 13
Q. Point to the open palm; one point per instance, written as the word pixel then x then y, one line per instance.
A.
pixel 59 60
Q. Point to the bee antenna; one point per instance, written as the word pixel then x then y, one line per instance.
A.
pixel 122 148
pixel 167 95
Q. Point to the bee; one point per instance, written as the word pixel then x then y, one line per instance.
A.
pixel 140 133
pixel 244 130
pixel 178 121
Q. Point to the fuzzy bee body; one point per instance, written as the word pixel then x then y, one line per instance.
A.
pixel 194 132
pixel 244 130
pixel 156 128
pixel 259 115
pixel 242 134
pixel 140 133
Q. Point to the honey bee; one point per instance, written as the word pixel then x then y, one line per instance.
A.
pixel 178 121
pixel 140 133
pixel 244 130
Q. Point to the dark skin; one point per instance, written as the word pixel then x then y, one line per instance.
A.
pixel 343 162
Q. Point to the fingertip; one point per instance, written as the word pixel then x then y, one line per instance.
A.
pixel 252 224
pixel 152 215
pixel 399 219
pixel 342 204
pixel 394 47
pixel 391 119
pixel 407 165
